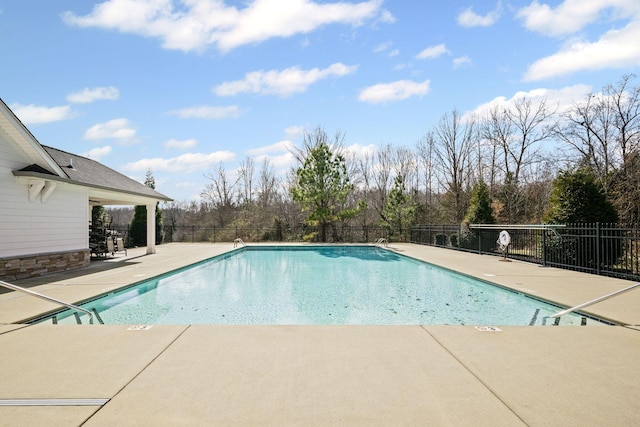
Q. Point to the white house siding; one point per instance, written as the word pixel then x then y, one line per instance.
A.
pixel 34 227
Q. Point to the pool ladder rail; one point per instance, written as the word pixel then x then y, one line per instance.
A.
pixel 594 301
pixel 382 242
pixel 53 300
pixel 239 242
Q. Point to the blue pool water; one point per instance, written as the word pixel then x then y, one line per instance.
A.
pixel 351 285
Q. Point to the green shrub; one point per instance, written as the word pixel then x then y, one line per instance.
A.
pixel 440 239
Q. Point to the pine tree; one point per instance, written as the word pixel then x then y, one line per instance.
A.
pixel 399 210
pixel 138 227
pixel 322 188
pixel 577 197
pixel 480 211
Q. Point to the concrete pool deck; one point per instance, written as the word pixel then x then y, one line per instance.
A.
pixel 107 375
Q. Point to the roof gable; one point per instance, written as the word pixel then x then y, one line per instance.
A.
pixel 24 139
pixel 106 186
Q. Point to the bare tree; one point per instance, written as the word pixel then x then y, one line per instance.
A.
pixel 588 128
pixel 365 187
pixel 626 104
pixel 516 132
pixel 426 164
pixel 246 173
pixel 626 180
pixel 455 139
pixel 219 193
pixel 404 164
pixel 604 129
pixel 381 179
pixel 267 184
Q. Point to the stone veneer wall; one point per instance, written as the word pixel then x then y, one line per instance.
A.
pixel 22 267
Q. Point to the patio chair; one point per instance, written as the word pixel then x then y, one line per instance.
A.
pixel 120 246
pixel 110 247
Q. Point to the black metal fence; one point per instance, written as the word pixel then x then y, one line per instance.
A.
pixel 605 249
pixel 337 234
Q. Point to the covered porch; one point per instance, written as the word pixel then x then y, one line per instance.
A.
pixel 105 197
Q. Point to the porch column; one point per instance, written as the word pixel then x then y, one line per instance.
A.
pixel 151 228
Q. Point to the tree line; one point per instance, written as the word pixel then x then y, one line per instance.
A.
pixel 523 162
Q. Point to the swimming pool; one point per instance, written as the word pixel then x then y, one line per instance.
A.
pixel 353 285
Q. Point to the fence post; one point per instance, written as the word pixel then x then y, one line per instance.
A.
pixel 544 248
pixel 193 234
pixel 598 237
pixel 214 234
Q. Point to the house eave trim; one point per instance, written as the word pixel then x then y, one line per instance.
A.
pixel 47 177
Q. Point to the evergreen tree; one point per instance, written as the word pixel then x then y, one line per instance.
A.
pixel 480 211
pixel 399 210
pixel 98 215
pixel 322 188
pixel 138 228
pixel 577 197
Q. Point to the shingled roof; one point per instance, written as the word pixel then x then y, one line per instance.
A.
pixel 89 172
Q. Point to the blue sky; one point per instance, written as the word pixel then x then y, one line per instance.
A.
pixel 179 86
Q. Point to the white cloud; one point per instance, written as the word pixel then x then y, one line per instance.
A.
pixel 386 17
pixel 97 153
pixel 294 131
pixel 284 146
pixel 282 83
pixel 281 162
pixel 571 16
pixel 394 91
pixel 34 114
pixel 120 130
pixel 468 18
pixel 197 24
pixel 184 144
pixel 432 52
pixel 382 47
pixel 207 112
pixel 461 61
pixel 88 95
pixel 562 98
pixel 359 151
pixel 185 163
pixel 614 49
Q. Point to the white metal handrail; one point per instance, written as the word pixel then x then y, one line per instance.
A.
pixel 44 297
pixel 239 241
pixel 594 301
pixel 382 242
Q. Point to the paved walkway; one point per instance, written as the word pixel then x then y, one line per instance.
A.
pixel 103 375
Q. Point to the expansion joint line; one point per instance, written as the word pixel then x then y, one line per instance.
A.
pixel 141 371
pixel 473 374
